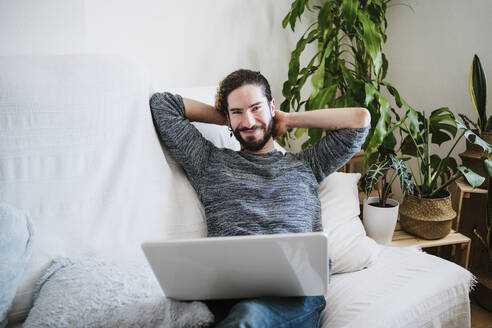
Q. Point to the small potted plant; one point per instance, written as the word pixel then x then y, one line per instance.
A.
pixel 381 213
pixel 427 212
pixel 477 85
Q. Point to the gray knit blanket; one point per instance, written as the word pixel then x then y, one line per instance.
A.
pixel 97 292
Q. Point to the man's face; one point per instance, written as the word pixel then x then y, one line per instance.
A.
pixel 251 117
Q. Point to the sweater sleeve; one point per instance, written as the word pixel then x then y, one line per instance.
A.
pixel 185 143
pixel 333 151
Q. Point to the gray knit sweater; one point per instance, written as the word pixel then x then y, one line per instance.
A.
pixel 245 194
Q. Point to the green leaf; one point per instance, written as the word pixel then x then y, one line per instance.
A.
pixel 296 54
pixel 306 144
pixel 404 177
pixel 380 128
pixel 371 40
pixel 318 79
pixel 374 173
pixel 413 119
pixel 314 135
pixel 389 141
pixel 473 179
pixel 286 20
pixel 392 90
pixel 487 165
pixel 444 170
pixel 385 68
pixel 324 96
pixel 324 16
pixel 349 12
pixel 284 106
pixel 440 130
pixel 299 132
pixel 477 84
pixel 488 126
pixel 474 139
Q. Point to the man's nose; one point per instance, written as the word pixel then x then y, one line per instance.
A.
pixel 248 120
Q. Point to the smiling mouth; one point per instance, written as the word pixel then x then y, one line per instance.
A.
pixel 249 132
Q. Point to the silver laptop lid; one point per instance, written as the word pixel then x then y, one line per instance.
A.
pixel 241 267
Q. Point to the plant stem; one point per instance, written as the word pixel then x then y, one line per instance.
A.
pixel 447 183
pixel 418 154
pixel 415 178
pixel 439 166
pixel 452 148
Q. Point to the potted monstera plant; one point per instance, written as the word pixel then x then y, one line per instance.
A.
pixel 477 85
pixel 427 211
pixel 381 213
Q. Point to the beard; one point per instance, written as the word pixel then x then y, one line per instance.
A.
pixel 253 144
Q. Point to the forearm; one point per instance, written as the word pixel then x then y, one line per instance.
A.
pixel 330 118
pixel 200 112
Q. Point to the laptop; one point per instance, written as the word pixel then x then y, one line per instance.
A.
pixel 294 264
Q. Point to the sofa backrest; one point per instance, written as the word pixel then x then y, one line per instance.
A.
pixel 79 153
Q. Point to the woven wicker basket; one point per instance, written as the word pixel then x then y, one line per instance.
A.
pixel 429 218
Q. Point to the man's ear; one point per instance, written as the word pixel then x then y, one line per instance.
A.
pixel 273 107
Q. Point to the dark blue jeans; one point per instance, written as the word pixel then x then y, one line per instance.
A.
pixel 298 312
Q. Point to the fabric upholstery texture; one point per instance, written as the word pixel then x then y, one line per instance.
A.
pixel 80 155
pixel 405 288
pixel 348 246
pixel 99 292
pixel 16 236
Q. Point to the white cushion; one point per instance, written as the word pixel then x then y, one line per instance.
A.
pixel 405 288
pixel 348 246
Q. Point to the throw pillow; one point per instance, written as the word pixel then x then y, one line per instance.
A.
pixel 100 292
pixel 349 248
pixel 15 244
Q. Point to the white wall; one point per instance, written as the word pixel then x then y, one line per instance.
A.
pixel 191 43
pixel 184 43
pixel 194 43
pixel 30 27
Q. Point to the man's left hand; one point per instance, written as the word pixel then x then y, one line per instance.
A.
pixel 280 124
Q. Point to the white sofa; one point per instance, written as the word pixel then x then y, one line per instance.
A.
pixel 79 153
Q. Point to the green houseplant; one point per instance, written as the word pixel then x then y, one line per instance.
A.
pixel 377 173
pixel 348 68
pixel 428 212
pixel 381 213
pixel 477 85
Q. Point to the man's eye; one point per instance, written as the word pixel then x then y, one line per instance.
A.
pixel 256 108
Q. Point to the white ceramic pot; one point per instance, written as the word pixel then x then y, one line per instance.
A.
pixel 380 222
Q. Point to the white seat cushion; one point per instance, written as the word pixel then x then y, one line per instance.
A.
pixel 404 288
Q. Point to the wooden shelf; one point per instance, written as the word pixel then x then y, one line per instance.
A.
pixel 459 191
pixel 404 239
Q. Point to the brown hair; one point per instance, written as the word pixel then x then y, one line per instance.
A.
pixel 235 80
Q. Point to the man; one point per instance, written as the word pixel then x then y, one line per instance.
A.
pixel 258 190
